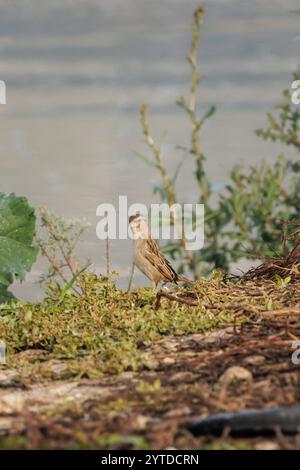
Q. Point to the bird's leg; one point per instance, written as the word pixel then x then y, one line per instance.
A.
pixel 131 277
pixel 154 285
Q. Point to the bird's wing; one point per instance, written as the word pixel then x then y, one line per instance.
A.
pixel 153 254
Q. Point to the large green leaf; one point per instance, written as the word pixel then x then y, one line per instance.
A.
pixel 17 229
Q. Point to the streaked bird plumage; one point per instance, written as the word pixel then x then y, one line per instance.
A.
pixel 147 256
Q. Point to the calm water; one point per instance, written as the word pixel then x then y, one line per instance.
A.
pixel 77 72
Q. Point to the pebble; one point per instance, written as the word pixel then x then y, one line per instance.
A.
pixel 181 377
pixel 236 374
pixel 255 360
pixel 168 361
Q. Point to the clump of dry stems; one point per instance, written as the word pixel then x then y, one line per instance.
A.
pixel 287 267
pixel 269 290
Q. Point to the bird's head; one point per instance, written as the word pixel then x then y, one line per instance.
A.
pixel 139 226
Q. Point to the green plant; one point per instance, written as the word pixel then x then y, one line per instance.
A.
pixel 284 126
pixel 249 216
pixel 105 330
pixel 58 240
pixel 260 204
pixel 17 252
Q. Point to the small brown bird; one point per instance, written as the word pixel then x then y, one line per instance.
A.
pixel 147 256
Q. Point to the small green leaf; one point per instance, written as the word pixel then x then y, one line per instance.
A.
pixel 70 284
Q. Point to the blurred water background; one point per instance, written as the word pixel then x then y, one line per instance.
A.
pixel 78 70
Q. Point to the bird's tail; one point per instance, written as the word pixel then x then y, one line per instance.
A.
pixel 185 280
